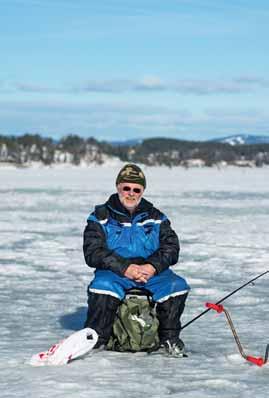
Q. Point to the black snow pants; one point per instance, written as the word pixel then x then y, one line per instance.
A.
pixel 102 309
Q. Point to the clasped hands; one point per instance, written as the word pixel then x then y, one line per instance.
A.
pixel 140 273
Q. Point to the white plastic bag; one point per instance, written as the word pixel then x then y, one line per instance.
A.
pixel 76 345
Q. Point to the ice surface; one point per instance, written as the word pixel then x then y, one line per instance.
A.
pixel 221 217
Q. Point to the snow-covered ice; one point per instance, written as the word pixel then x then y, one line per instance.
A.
pixel 221 217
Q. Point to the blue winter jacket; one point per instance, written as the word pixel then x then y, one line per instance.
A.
pixel 114 239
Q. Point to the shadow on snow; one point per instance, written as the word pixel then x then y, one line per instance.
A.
pixel 75 320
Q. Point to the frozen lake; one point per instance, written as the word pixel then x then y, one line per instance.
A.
pixel 221 217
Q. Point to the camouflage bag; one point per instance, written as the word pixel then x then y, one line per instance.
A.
pixel 135 327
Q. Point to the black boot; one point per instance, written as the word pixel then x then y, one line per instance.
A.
pixel 102 309
pixel 168 314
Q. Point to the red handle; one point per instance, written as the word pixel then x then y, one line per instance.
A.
pixel 257 361
pixel 217 307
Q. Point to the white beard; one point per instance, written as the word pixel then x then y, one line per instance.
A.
pixel 130 207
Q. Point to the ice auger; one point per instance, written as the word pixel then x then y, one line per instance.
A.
pixel 259 361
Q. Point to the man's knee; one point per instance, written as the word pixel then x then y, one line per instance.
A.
pixel 106 284
pixel 178 283
pixel 167 284
pixel 101 284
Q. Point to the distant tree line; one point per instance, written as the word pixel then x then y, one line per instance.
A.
pixel 25 149
pixel 177 152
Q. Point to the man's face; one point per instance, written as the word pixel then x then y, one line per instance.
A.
pixel 130 194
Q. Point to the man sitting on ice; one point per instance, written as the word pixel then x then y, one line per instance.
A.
pixel 131 244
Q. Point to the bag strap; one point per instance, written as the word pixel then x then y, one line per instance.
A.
pixel 133 291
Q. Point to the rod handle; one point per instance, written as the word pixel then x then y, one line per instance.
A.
pixel 216 307
pixel 257 361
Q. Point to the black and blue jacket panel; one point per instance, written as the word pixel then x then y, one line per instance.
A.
pixel 114 239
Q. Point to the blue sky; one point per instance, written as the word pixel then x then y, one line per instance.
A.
pixel 120 69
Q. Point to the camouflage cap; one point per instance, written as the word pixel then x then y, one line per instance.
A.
pixel 131 173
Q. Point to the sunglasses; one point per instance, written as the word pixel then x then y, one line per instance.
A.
pixel 128 189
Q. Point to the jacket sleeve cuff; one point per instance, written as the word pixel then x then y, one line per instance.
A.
pixel 155 264
pixel 118 265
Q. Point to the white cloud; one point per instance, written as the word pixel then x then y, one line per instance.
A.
pixel 196 87
pixel 62 117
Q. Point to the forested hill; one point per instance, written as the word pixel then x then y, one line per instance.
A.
pixel 26 149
